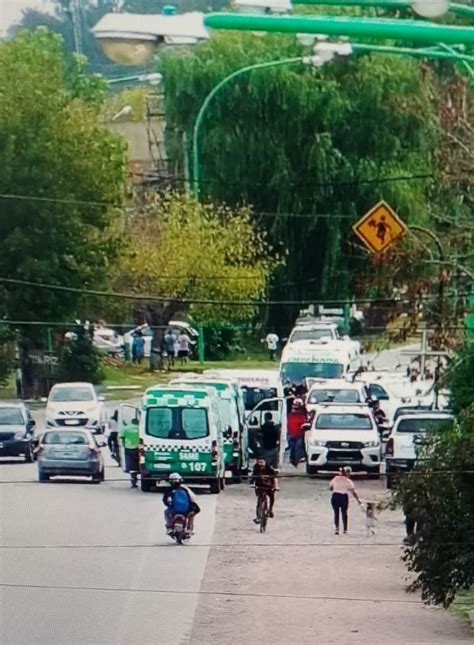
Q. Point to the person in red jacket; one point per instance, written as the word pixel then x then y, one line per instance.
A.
pixel 296 419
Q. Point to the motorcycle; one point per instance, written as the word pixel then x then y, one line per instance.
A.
pixel 114 450
pixel 179 528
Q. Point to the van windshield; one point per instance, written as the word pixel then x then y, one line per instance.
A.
pixel 297 371
pixel 178 423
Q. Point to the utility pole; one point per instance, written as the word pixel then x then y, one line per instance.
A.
pixel 75 10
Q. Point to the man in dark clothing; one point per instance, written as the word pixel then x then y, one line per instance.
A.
pixel 264 477
pixel 270 441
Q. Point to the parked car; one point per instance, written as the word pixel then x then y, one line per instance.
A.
pixel 106 340
pixel 408 435
pixel 176 327
pixel 16 431
pixel 73 405
pixel 70 452
pixel 343 435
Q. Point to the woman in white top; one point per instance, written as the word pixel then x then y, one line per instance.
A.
pixel 341 485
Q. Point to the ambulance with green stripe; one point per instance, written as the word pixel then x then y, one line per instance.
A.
pixel 230 402
pixel 181 431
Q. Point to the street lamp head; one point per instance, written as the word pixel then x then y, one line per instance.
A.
pixel 264 6
pixel 132 39
pixel 430 8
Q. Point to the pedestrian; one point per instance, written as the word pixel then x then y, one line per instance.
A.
pixel 113 438
pixel 271 341
pixel 341 485
pixel 184 345
pixel 169 343
pixel 138 347
pixel 270 441
pixel 412 520
pixel 130 438
pixel 296 420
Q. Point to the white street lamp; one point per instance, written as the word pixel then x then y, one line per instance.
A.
pixel 430 8
pixel 132 39
pixel 264 6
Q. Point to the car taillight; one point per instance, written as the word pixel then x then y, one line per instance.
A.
pixel 389 447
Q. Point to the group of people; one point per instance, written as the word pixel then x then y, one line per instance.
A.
pixel 172 347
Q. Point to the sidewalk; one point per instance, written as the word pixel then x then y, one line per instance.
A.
pixel 299 583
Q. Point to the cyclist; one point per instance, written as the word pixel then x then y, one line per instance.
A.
pixel 264 477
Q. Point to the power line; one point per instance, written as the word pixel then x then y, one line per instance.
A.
pixel 201 592
pixel 204 301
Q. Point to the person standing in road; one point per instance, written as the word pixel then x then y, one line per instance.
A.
pixel 113 438
pixel 184 345
pixel 169 343
pixel 271 341
pixel 270 441
pixel 130 438
pixel 296 420
pixel 341 485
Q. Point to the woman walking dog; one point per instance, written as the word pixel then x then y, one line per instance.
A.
pixel 341 485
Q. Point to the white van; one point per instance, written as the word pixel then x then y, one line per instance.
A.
pixel 316 359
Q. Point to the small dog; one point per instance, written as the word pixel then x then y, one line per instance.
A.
pixel 370 519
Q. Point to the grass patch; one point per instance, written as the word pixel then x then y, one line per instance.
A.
pixel 463 603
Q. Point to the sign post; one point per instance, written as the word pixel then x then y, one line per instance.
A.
pixel 379 228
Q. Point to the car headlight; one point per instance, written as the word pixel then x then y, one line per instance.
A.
pixel 372 444
pixel 20 435
pixel 316 443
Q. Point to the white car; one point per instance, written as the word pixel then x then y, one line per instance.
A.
pixel 75 405
pixel 343 435
pixel 336 391
pixel 407 436
pixel 324 332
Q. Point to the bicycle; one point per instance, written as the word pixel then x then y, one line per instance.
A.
pixel 262 508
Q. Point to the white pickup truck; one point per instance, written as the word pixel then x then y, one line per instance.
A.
pixel 324 332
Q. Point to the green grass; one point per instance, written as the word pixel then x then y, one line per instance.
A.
pixel 139 375
pixel 463 603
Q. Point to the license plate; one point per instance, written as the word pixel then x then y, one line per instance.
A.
pixel 71 422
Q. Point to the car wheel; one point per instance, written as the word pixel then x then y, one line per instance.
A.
pixel 215 486
pixel 29 455
pixel 145 485
pixel 311 471
pixel 374 473
pixel 42 477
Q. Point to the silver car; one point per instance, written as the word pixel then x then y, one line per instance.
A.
pixel 70 452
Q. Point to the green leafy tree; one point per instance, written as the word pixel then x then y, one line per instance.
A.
pixel 80 360
pixel 65 174
pixel 300 141
pixel 439 493
pixel 461 380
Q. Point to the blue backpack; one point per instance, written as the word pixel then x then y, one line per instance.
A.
pixel 181 502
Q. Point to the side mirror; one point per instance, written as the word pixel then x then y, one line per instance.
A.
pixel 101 398
pixel 43 399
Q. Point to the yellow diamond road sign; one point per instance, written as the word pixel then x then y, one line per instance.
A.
pixel 379 228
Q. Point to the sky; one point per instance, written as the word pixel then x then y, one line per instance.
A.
pixel 10 10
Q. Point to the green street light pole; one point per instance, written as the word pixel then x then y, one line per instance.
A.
pixel 207 101
pixel 451 55
pixel 411 30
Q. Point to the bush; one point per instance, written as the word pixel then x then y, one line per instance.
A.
pixel 440 492
pixel 461 380
pixel 220 341
pixel 80 360
pixel 7 353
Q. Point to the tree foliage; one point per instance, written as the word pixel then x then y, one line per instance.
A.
pixel 179 248
pixel 439 492
pixel 80 360
pixel 461 380
pixel 301 141
pixel 65 172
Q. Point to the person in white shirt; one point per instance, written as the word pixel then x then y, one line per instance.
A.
pixel 341 485
pixel 272 344
pixel 184 345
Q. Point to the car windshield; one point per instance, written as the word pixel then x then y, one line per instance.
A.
pixel 423 425
pixel 10 417
pixel 338 421
pixel 177 423
pixel 340 396
pixel 311 334
pixel 65 394
pixel 297 371
pixel 253 395
pixel 67 438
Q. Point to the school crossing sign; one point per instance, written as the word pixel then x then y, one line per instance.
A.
pixel 379 228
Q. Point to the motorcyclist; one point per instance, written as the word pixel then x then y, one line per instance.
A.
pixel 265 478
pixel 179 499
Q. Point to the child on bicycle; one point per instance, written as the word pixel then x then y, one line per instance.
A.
pixel 264 477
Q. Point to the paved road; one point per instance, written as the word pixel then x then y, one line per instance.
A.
pixel 90 564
